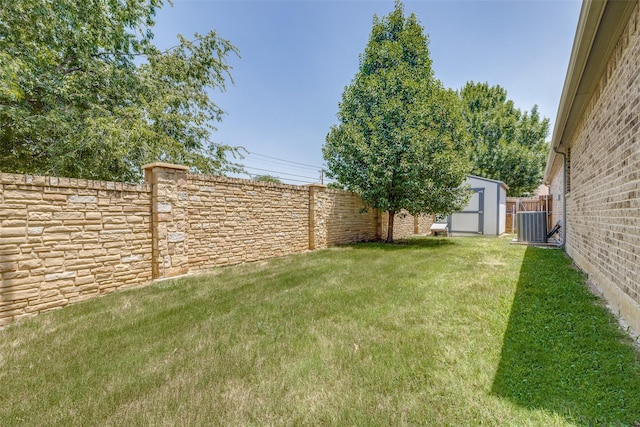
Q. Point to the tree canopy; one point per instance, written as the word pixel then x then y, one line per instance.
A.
pixel 507 144
pixel 400 140
pixel 85 93
pixel 267 178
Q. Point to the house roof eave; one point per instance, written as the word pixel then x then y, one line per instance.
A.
pixel 597 33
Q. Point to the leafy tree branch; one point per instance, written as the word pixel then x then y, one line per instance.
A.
pixel 75 99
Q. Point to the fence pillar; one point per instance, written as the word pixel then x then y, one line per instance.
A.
pixel 313 213
pixel 169 221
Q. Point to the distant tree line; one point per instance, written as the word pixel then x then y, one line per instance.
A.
pixel 506 144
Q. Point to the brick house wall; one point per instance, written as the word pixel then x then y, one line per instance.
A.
pixel 604 199
pixel 603 174
pixel 556 189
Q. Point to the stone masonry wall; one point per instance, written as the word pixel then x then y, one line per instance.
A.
pixel 406 225
pixel 423 224
pixel 340 219
pixel 603 204
pixel 235 220
pixel 66 240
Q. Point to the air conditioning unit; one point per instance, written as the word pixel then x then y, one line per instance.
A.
pixel 532 227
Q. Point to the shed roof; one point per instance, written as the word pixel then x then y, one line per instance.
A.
pixel 502 184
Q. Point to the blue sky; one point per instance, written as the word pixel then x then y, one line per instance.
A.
pixel 297 56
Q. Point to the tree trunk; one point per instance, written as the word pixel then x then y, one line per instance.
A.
pixel 392 215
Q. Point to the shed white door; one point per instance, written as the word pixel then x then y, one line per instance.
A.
pixel 471 219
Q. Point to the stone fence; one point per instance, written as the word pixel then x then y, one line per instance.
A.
pixel 65 240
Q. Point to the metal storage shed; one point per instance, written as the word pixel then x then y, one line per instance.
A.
pixel 486 212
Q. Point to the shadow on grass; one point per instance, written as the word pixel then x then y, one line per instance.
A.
pixel 563 351
pixel 425 242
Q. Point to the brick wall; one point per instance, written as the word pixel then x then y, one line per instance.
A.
pixel 556 189
pixel 65 240
pixel 340 219
pixel 405 225
pixel 234 220
pixel 422 224
pixel 603 204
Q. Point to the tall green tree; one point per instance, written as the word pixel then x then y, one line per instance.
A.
pixel 400 142
pixel 85 93
pixel 507 144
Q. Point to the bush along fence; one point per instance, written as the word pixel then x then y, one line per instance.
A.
pixel 65 240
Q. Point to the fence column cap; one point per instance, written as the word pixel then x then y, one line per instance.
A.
pixel 165 165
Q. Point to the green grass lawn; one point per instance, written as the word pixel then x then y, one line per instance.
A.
pixel 432 331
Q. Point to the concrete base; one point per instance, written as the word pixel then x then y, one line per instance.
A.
pixel 626 310
pixel 537 244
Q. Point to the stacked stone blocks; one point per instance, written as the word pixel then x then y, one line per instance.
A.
pixel 341 218
pixel 235 220
pixel 66 240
